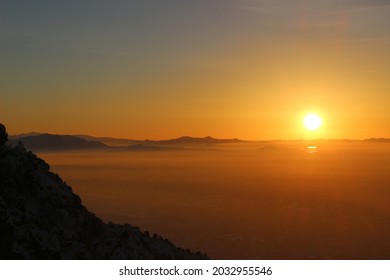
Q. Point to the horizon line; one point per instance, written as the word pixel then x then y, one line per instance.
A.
pixel 34 133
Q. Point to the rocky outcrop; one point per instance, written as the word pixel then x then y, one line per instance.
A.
pixel 41 218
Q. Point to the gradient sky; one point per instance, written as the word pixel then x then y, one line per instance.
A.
pixel 156 69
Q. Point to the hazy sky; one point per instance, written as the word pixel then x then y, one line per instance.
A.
pixel 160 69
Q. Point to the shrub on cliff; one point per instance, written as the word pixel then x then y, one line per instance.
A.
pixel 3 135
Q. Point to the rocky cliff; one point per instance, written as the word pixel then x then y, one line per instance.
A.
pixel 41 218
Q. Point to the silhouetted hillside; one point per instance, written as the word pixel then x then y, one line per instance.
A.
pixel 41 218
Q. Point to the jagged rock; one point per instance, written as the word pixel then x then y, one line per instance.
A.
pixel 3 135
pixel 41 218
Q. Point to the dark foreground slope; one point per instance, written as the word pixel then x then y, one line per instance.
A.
pixel 41 218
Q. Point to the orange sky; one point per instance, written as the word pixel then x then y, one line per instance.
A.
pixel 253 72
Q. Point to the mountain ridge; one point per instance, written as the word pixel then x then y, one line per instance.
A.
pixel 53 142
pixel 56 142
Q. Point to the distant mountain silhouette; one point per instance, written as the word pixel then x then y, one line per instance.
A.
pixel 194 140
pixel 176 141
pixel 18 136
pixel 49 142
pixel 41 218
pixel 110 141
pixel 377 140
pixel 52 142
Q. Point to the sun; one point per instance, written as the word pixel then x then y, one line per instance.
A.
pixel 312 122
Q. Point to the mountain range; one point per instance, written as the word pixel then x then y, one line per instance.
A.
pixel 53 142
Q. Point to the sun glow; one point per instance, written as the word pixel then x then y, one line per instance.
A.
pixel 312 122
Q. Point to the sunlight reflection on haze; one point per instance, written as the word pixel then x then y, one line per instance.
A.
pixel 311 149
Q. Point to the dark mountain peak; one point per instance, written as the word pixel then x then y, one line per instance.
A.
pixel 41 218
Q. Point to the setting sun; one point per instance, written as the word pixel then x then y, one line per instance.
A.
pixel 312 121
